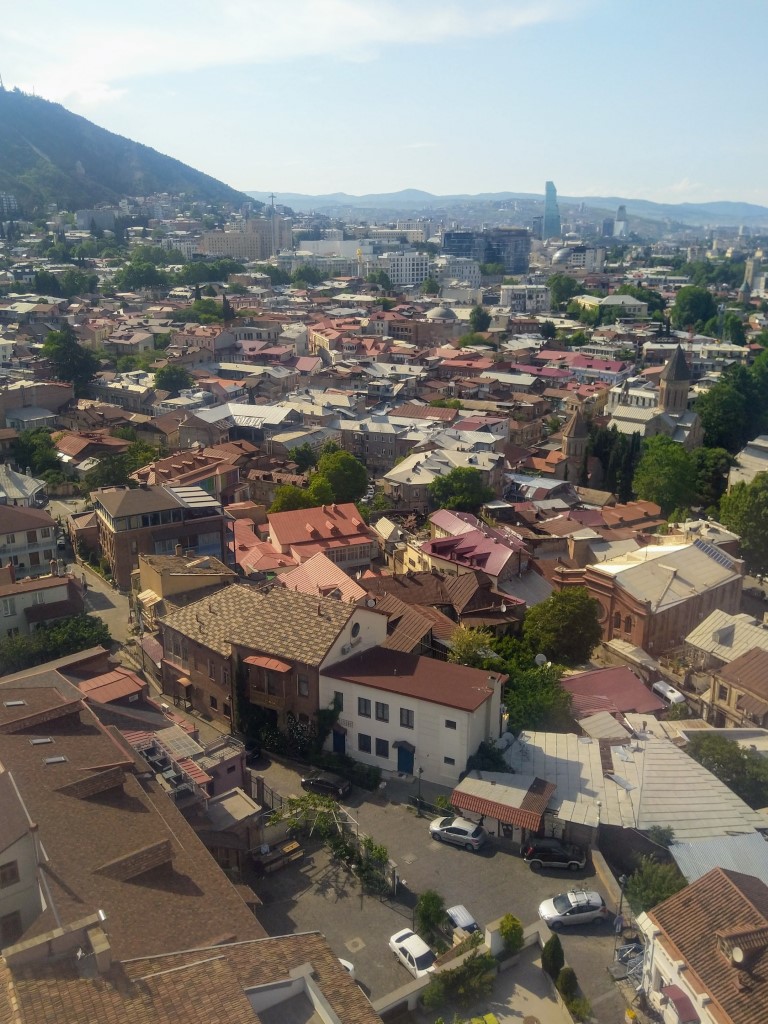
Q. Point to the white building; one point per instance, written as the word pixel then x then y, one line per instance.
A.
pixel 526 298
pixel 403 268
pixel 457 268
pixel 411 714
pixel 27 603
pixel 27 539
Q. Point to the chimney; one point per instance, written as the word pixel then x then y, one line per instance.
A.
pixel 178 550
pixel 11 571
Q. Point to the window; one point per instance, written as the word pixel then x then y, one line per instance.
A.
pixel 617 620
pixel 382 748
pixel 9 874
pixel 449 760
pixel 722 693
pixel 303 686
pixel 406 718
pixel 628 624
pixel 34 558
pixel 231 769
pixel 382 712
pixel 214 703
pixel 338 700
pixel 10 538
pixel 45 532
pixel 227 710
pixel 10 928
pixel 31 536
pixel 211 669
pixel 9 606
pixel 364 743
pixel 449 724
pixel 363 707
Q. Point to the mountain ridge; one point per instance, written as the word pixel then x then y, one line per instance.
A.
pixel 691 213
pixel 50 155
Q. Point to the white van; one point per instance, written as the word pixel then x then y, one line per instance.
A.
pixel 667 693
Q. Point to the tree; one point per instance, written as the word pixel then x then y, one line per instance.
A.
pixel 380 278
pixel 173 379
pixel 562 288
pixel 723 414
pixel 69 360
pixel 471 646
pixel 479 319
pixel 35 450
pixel 346 475
pixel 430 914
pixel 652 883
pixel 430 287
pixel 462 490
pixel 536 701
pixel 744 509
pixel 56 640
pixel 552 956
pixel 733 329
pixel 288 498
pixel 548 330
pixel 665 474
pixel 304 456
pixel 711 466
pixel 693 307
pixel 511 932
pixel 565 627
pixel 744 771
pixel 472 338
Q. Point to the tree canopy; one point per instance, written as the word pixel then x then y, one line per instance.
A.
pixel 562 288
pixel 743 771
pixel 70 361
pixel 462 490
pixel 744 509
pixel 693 307
pixel 346 475
pixel 565 627
pixel 430 286
pixel 53 640
pixel 479 319
pixel 665 475
pixel 535 699
pixel 173 379
pixel 651 883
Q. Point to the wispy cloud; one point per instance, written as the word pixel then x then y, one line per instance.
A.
pixel 91 53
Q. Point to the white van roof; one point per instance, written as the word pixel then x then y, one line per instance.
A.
pixel 668 692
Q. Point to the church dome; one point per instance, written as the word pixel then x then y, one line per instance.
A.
pixel 440 313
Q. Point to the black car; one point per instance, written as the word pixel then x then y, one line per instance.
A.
pixel 326 784
pixel 252 749
pixel 551 853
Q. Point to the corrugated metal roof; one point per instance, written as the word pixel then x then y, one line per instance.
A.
pixel 746 853
pixel 727 637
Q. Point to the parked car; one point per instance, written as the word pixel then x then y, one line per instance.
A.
pixel 551 853
pixel 41 501
pixel 667 693
pixel 460 917
pixel 755 592
pixel 459 831
pixel 326 784
pixel 413 953
pixel 252 749
pixel 575 907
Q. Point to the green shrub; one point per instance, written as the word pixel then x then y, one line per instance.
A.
pixel 579 1008
pixel 567 983
pixel 511 931
pixel 552 956
pixel 465 984
pixel 430 913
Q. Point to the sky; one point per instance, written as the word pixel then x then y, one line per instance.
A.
pixel 658 100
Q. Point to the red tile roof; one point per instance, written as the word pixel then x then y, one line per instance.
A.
pixel 620 686
pixel 528 815
pixel 111 686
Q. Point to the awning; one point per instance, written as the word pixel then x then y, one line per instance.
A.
pixel 682 1003
pixel 505 804
pixel 184 682
pixel 405 745
pixel 270 663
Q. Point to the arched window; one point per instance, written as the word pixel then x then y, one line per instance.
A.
pixel 628 624
pixel 617 620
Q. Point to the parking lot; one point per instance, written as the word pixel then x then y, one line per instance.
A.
pixel 318 894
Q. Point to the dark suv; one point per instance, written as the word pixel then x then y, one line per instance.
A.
pixel 326 784
pixel 551 853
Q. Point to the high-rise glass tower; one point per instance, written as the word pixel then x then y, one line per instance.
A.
pixel 551 227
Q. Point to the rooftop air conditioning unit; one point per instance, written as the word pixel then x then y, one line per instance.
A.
pixel 345 649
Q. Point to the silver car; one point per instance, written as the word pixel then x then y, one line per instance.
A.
pixel 459 831
pixel 575 907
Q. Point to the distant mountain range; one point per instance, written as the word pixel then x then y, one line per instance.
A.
pixel 50 155
pixel 412 201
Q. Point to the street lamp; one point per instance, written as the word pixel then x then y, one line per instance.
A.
pixel 618 927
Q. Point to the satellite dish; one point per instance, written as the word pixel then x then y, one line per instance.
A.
pixel 737 955
pixel 503 607
pixel 540 659
pixel 371 602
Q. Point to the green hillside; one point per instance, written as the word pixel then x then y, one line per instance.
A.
pixel 50 155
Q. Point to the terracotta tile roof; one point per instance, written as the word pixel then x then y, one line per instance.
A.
pixel 321 577
pixel 111 686
pixel 528 815
pixel 283 623
pixel 702 923
pixel 340 524
pixel 454 686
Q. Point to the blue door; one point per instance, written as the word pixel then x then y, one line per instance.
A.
pixel 339 742
pixel 405 760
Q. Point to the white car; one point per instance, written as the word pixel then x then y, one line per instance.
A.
pixel 575 907
pixel 459 831
pixel 413 952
